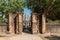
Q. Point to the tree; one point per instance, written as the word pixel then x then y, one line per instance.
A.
pixel 13 6
pixel 44 7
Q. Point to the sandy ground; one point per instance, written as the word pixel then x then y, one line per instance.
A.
pixel 26 36
pixel 23 36
pixel 50 36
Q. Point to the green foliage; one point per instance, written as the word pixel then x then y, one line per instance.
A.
pixel 49 7
pixel 2 18
pixel 45 4
pixel 53 21
pixel 14 6
pixel 11 5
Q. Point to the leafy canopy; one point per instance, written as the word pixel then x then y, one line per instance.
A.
pixel 49 7
pixel 46 5
pixel 11 5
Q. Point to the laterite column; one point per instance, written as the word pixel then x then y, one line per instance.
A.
pixel 20 23
pixel 16 27
pixel 43 23
pixel 34 23
pixel 19 26
pixel 10 23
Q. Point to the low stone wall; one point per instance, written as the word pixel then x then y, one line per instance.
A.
pixel 50 27
pixel 3 27
pixel 53 28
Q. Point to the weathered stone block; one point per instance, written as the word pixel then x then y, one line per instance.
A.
pixel 34 23
pixel 20 22
pixel 19 25
pixel 10 23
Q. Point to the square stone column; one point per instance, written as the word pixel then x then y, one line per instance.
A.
pixel 43 23
pixel 40 22
pixel 10 23
pixel 16 23
pixel 34 23
pixel 19 24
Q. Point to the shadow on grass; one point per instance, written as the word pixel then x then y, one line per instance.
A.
pixel 53 37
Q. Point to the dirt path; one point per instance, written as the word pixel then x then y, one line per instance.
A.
pixel 23 36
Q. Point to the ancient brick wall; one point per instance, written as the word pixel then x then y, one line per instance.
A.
pixel 53 28
pixel 3 27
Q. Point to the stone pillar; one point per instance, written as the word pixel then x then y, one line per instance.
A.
pixel 40 23
pixel 19 26
pixel 34 23
pixel 10 23
pixel 43 23
pixel 16 28
pixel 20 23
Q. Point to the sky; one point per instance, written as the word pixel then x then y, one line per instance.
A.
pixel 26 10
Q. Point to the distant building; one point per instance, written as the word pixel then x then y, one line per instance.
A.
pixel 26 19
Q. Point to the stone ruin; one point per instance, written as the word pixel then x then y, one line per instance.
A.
pixel 15 23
